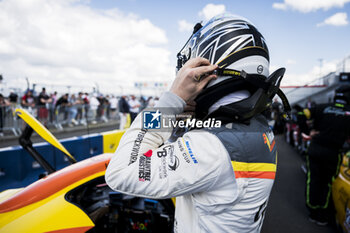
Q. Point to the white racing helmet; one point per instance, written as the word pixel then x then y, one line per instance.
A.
pixel 240 51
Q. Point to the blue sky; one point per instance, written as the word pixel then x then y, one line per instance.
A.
pixel 84 44
pixel 292 35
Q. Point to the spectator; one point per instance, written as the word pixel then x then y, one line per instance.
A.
pixel 124 109
pixel 113 106
pixel 54 98
pixel 13 98
pixel 107 106
pixel 43 102
pixel 73 110
pixel 134 107
pixel 103 103
pixel 86 104
pixel 62 104
pixel 28 102
pixel 80 107
pixel 52 105
pixel 62 101
pixel 3 104
pixel 94 103
pixel 100 108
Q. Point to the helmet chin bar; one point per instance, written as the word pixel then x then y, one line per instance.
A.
pixel 262 92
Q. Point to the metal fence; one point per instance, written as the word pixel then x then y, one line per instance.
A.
pixel 8 121
pixel 55 117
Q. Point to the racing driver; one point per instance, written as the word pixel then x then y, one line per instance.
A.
pixel 221 176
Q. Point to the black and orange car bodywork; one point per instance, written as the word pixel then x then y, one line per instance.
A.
pixel 77 199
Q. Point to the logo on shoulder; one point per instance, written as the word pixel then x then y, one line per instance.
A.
pixel 152 119
pixel 269 140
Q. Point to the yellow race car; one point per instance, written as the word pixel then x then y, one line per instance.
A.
pixel 76 198
pixel 341 194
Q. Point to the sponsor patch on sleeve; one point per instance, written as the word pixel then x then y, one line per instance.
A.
pixel 163 173
pixel 136 146
pixel 145 166
pixel 173 160
pixel 183 151
pixel 169 161
pixel 190 152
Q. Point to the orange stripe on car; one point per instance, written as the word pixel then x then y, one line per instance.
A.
pixel 55 182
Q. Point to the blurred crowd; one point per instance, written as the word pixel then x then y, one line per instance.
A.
pixel 296 127
pixel 320 132
pixel 69 110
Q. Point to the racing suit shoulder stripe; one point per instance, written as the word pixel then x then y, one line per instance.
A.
pixel 241 166
pixel 251 174
pixel 254 170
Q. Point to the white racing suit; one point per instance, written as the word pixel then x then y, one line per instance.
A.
pixel 221 177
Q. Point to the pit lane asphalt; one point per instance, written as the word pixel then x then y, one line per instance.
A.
pixel 286 211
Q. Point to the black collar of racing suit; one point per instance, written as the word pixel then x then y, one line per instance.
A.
pixel 262 91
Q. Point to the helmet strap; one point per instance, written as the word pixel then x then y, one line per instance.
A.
pixel 262 89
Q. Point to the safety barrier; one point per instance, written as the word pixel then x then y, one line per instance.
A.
pixel 18 168
pixel 55 117
pixel 8 121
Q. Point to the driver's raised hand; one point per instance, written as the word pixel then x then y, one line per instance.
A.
pixel 192 78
